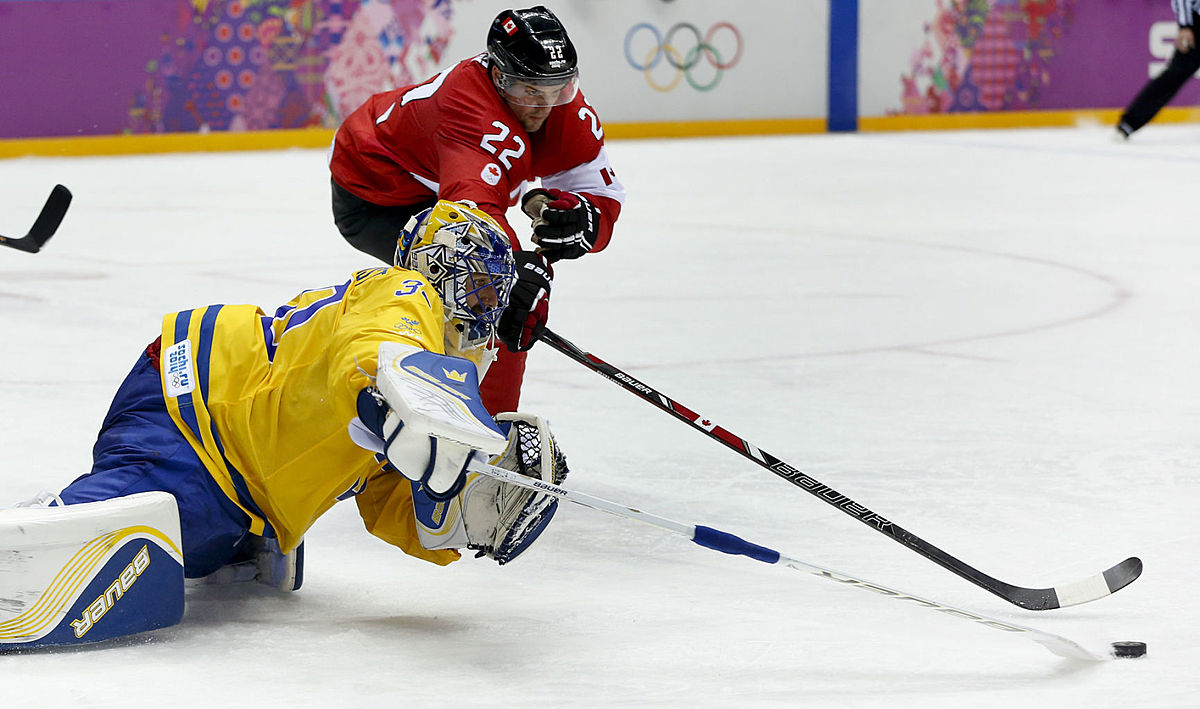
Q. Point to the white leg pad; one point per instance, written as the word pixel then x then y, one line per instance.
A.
pixel 89 572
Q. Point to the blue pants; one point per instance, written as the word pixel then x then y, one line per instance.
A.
pixel 140 449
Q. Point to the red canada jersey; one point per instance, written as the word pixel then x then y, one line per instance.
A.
pixel 454 137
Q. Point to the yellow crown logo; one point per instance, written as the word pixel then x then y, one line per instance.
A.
pixel 455 375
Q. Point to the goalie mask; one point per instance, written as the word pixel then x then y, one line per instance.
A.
pixel 465 255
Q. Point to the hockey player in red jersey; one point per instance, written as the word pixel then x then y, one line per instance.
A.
pixel 482 130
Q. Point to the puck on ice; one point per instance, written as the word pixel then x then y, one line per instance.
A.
pixel 1128 649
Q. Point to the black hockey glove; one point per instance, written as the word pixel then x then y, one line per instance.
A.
pixel 565 224
pixel 523 321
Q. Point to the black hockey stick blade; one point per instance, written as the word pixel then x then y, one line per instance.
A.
pixel 1072 594
pixel 46 224
pixel 1037 599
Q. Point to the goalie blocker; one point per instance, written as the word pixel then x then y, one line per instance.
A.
pixel 91 571
pixel 426 419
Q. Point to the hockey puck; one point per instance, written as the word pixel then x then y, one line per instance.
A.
pixel 1128 649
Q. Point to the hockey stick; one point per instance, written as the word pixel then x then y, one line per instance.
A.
pixel 731 544
pixel 47 222
pixel 1082 591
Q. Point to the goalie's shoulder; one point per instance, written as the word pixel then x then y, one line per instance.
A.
pixel 383 287
pixel 381 276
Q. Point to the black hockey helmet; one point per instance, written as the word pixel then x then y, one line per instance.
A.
pixel 531 47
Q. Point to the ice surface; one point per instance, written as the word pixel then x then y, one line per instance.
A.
pixel 989 337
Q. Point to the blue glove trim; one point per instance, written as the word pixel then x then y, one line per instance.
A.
pixel 371 412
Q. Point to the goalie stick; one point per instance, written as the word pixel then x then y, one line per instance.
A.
pixel 1089 589
pixel 46 224
pixel 728 543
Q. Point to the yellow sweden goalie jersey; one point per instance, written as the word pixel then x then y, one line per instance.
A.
pixel 266 401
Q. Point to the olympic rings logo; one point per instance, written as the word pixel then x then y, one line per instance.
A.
pixel 684 63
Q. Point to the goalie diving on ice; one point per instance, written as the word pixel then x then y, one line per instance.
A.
pixel 236 430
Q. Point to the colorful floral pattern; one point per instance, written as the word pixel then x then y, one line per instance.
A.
pixel 237 65
pixel 985 55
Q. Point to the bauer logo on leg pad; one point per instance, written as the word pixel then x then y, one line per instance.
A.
pixel 90 572
pixel 115 592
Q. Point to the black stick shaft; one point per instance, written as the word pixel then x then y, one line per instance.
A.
pixel 1033 599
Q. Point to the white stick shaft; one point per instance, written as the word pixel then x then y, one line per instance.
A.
pixel 731 544
pixel 581 498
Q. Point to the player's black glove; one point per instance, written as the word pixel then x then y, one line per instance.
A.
pixel 565 224
pixel 523 321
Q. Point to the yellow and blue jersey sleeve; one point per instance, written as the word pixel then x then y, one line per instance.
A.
pixel 266 400
pixel 386 507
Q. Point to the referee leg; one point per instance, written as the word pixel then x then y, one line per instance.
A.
pixel 1160 90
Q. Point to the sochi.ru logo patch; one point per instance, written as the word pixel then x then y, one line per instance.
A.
pixel 179 378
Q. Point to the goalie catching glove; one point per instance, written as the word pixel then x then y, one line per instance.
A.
pixel 565 224
pixel 436 420
pixel 497 519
